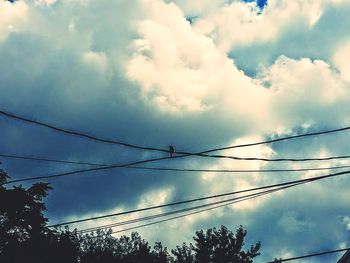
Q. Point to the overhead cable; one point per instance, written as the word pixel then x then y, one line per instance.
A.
pixel 306 180
pixel 182 153
pixel 76 133
pixel 132 165
pixel 31 158
pixel 75 172
pixel 213 205
pixel 177 169
pixel 310 255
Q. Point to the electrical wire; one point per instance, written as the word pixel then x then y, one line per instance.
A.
pixel 197 212
pixel 42 159
pixel 306 180
pixel 311 255
pixel 176 169
pixel 238 170
pixel 215 156
pixel 224 202
pixel 75 172
pixel 132 166
pixel 76 133
pixel 182 153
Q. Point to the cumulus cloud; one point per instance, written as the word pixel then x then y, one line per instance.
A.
pixel 238 23
pixel 341 60
pixel 304 91
pixel 12 15
pixel 180 70
pixel 45 2
pixel 198 7
pixel 151 77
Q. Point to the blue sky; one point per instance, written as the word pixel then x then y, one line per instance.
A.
pixel 139 72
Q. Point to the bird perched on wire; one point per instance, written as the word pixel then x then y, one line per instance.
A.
pixel 171 150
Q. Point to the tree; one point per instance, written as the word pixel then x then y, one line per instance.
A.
pixel 183 254
pixel 25 237
pixel 101 246
pixel 217 245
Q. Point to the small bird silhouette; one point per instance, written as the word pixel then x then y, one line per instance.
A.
pixel 171 150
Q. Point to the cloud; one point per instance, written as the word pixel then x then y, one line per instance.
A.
pixel 238 23
pixel 45 3
pixel 198 7
pixel 341 60
pixel 181 71
pixel 290 223
pixel 12 15
pixel 304 90
pixel 236 74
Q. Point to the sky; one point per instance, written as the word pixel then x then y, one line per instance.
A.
pixel 196 75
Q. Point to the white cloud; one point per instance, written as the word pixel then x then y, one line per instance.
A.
pixel 346 221
pixel 341 60
pixel 197 7
pixel 97 60
pixel 302 91
pixel 179 70
pixel 237 23
pixel 155 197
pixel 75 67
pixel 45 3
pixel 12 15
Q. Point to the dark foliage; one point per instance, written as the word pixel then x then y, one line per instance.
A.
pixel 25 237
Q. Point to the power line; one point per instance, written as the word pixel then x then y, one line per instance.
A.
pixel 276 140
pixel 79 134
pixel 31 158
pixel 160 206
pixel 132 166
pixel 42 159
pixel 200 211
pixel 307 180
pixel 225 203
pixel 276 159
pixel 84 170
pixel 222 202
pixel 215 156
pixel 182 153
pixel 311 255
pixel 239 171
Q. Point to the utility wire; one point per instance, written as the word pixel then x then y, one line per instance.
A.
pixel 200 211
pixel 12 156
pixel 224 202
pixel 42 159
pixel 160 206
pixel 311 255
pixel 276 159
pixel 75 172
pixel 239 171
pixel 215 156
pixel 132 166
pixel 182 153
pixel 206 198
pixel 76 133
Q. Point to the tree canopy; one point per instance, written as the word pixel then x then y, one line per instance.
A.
pixel 25 237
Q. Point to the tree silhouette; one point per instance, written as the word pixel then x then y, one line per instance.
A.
pixel 102 247
pixel 217 245
pixel 183 254
pixel 25 237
